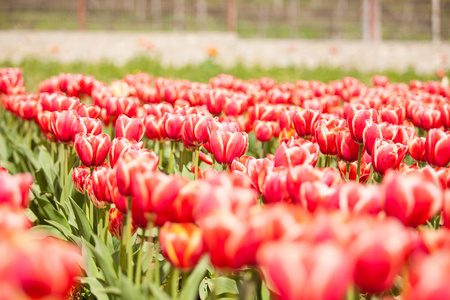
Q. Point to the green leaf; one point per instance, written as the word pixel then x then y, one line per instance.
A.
pixel 96 287
pixel 158 293
pixel 265 291
pixel 50 230
pixel 84 228
pixel 91 268
pixel 203 290
pixel 41 179
pixel 129 291
pixel 190 289
pixel 224 285
pixel 51 213
pixel 104 260
pixel 66 232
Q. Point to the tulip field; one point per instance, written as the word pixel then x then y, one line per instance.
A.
pixel 156 188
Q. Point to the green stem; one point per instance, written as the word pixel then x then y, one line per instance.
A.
pixel 371 174
pixel 106 222
pixel 347 171
pixel 91 214
pixel 160 154
pixel 224 167
pixel 327 161
pixel 262 150
pixel 172 145
pixel 174 283
pixel 129 245
pixel 181 161
pixel 358 169
pixel 157 269
pixel 151 250
pixel 124 238
pixel 139 261
pixel 197 153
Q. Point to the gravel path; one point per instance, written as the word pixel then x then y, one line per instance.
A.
pixel 179 49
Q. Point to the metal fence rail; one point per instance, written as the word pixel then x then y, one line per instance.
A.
pixel 315 19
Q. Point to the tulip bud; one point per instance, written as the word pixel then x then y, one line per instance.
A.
pixel 305 122
pixel 226 146
pixel 296 153
pixel 321 271
pixel 130 128
pixel 347 148
pixel 61 125
pixel 86 125
pixel 115 224
pixel 80 175
pixel 172 125
pixel 92 149
pixel 194 131
pixel 15 189
pixel 417 149
pixel 264 131
pixel 181 244
pixel 358 120
pixel 437 147
pixel 132 165
pixel 413 198
pixel 121 145
pixel 387 155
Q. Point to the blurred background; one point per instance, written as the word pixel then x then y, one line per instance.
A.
pixel 305 19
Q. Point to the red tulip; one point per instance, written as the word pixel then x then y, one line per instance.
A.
pixel 15 189
pixel 296 153
pixel 116 106
pixel 115 224
pixel 363 175
pixel 379 253
pixel 444 108
pixel 215 99
pixel 154 128
pixel 121 145
pixel 446 209
pixel 226 240
pixel 393 115
pixel 413 198
pixel 235 105
pixel 359 199
pixel 226 146
pixel 194 131
pixel 86 125
pixel 131 128
pixel 380 80
pixel 43 120
pixel 80 175
pixel 251 167
pixel 325 135
pixel 347 148
pixel 172 125
pixel 437 147
pixel 88 111
pixel 264 131
pixel 387 155
pixel 39 268
pixel 92 149
pixel 61 125
pixel 274 188
pixel 417 149
pixel 305 271
pixel 181 244
pixel 131 166
pixel 305 122
pixel 358 120
pixel 316 195
pixel 429 277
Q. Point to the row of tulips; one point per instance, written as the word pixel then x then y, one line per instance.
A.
pixel 293 211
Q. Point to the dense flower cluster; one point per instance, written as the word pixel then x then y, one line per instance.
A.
pixel 291 203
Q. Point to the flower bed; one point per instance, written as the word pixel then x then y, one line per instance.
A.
pixel 159 188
